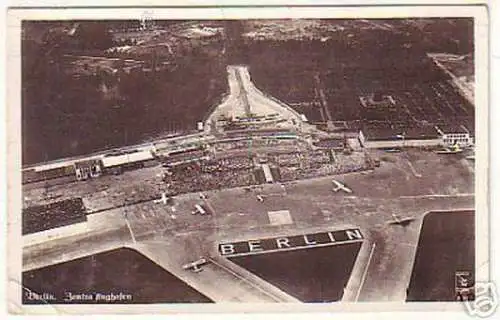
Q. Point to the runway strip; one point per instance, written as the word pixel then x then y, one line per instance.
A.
pixel 413 170
pixel 426 196
pixel 244 280
pixel 363 278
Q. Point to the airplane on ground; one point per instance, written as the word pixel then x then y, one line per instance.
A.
pixel 195 265
pixel 452 150
pixel 402 222
pixel 340 186
pixel 199 209
pixel 393 150
pixel 163 199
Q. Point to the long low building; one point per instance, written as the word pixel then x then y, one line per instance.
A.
pixel 387 136
pixel 128 158
pixel 267 173
pixel 86 167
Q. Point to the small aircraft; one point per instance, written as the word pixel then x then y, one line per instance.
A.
pixel 393 150
pixel 163 199
pixel 402 222
pixel 195 265
pixel 53 196
pixel 340 186
pixel 453 150
pixel 199 209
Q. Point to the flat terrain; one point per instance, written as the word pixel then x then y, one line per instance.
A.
pixel 446 245
pixel 88 99
pixel 118 271
pixel 406 185
pixel 311 275
pixel 111 85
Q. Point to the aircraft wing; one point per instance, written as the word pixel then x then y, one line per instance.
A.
pixel 346 189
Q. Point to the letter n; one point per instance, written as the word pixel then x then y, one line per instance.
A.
pixel 354 234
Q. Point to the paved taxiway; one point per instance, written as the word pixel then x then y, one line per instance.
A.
pixel 382 273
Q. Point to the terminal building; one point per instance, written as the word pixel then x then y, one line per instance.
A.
pixel 391 136
pixel 455 135
pixel 267 173
pixel 88 169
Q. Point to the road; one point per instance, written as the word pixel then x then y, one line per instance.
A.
pixel 245 99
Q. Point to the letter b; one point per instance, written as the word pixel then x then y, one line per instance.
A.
pixel 226 248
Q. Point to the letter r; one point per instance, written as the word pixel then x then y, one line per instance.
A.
pixel 282 242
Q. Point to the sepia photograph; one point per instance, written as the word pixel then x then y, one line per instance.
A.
pixel 167 159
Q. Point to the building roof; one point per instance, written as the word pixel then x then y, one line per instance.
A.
pixel 330 143
pixel 386 132
pixel 112 161
pixel 87 163
pixel 453 128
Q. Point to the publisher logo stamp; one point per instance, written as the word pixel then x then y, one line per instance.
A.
pixel 485 300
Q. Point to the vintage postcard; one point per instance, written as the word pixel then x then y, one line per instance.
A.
pixel 213 159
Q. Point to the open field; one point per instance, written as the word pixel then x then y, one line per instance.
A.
pixel 90 99
pixel 94 277
pixel 446 246
pixel 177 73
pixel 421 92
pixel 311 275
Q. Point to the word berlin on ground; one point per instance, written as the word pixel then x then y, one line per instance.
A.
pixel 290 242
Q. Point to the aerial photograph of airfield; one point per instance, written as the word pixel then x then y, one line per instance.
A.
pixel 211 161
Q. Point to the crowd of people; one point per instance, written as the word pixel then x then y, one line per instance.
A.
pixel 292 159
pixel 53 215
pixel 253 142
pixel 236 163
pixel 240 170
pixel 355 161
pixel 321 164
pixel 232 145
pixel 211 174
pixel 31 175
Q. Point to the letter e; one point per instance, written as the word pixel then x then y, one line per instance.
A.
pixel 254 246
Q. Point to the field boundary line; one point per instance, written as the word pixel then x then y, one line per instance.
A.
pixel 363 277
pixel 253 285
